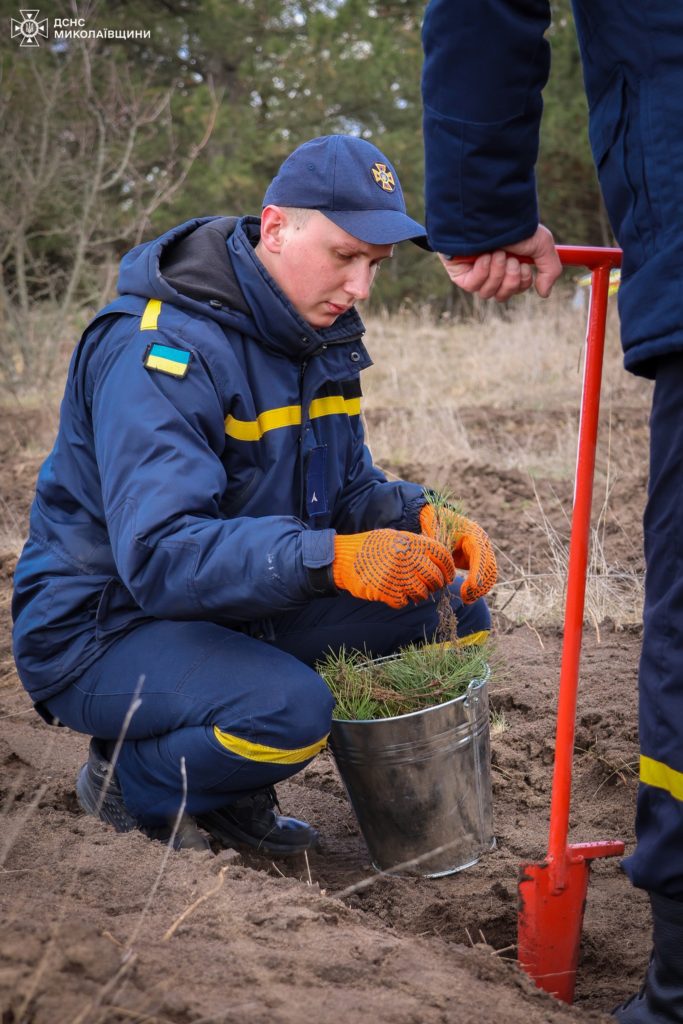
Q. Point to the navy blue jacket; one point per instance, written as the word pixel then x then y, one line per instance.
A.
pixel 486 63
pixel 210 445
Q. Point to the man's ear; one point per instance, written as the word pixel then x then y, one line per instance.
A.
pixel 274 223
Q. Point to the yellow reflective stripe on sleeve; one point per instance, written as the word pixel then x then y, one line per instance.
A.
pixel 253 430
pixel 352 406
pixel 272 755
pixel 656 773
pixel 151 315
pixel 289 416
pixel 334 405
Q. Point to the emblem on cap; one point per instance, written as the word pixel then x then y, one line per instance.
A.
pixel 384 177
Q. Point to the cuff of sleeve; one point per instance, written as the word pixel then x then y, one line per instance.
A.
pixel 452 247
pixel 322 581
pixel 318 554
pixel 411 515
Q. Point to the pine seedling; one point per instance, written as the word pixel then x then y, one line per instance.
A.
pixel 418 677
pixel 350 683
pixel 448 513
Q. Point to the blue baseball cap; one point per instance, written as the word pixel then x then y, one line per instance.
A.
pixel 352 183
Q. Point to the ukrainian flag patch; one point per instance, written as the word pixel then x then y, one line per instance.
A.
pixel 175 361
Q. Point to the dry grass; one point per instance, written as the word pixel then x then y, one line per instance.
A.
pixel 36 348
pixel 12 532
pixel 504 392
pixel 430 379
pixel 529 357
pixel 613 591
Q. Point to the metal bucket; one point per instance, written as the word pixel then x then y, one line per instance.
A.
pixel 420 784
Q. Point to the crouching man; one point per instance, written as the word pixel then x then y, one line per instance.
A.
pixel 209 522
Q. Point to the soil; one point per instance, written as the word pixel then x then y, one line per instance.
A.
pixel 100 927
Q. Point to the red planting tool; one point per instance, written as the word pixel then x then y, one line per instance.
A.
pixel 552 893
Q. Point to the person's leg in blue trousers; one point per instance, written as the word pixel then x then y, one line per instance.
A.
pixel 243 712
pixel 369 626
pixel 657 862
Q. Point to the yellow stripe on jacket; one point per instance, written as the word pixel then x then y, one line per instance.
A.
pixel 289 416
pixel 150 317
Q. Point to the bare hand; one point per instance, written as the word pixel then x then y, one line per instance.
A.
pixel 499 275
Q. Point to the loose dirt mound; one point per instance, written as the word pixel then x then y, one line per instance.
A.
pixel 106 928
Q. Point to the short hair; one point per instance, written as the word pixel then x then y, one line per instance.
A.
pixel 298 215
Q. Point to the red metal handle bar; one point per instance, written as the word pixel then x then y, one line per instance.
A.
pixel 576 580
pixel 600 261
pixel 552 894
pixel 590 256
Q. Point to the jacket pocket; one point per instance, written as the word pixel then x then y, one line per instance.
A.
pixel 617 144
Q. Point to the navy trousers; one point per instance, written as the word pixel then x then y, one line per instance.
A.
pixel 657 864
pixel 243 711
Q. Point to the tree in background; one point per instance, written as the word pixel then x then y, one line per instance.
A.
pixel 311 68
pixel 106 142
pixel 315 67
pixel 92 146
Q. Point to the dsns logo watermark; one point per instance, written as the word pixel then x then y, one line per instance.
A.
pixel 29 28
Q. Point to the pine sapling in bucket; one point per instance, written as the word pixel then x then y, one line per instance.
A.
pixel 420 675
pixel 410 736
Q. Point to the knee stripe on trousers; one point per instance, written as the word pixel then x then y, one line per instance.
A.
pixel 271 755
pixel 656 773
pixel 471 640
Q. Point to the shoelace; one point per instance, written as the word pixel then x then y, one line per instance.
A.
pixel 271 796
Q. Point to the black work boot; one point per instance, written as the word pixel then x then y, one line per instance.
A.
pixel 660 1000
pixel 252 820
pixel 99 794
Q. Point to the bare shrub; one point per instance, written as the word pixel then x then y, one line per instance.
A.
pixel 87 158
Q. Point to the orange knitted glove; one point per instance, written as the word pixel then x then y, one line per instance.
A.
pixel 470 547
pixel 393 566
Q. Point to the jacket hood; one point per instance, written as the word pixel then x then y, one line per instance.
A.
pixel 209 266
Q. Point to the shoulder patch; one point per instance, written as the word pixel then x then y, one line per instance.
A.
pixel 175 361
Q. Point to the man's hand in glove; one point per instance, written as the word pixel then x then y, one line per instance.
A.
pixel 470 547
pixel 393 566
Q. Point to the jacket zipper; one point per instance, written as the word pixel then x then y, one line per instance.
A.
pixel 300 440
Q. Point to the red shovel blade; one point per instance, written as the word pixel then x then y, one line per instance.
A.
pixel 550 917
pixel 549 926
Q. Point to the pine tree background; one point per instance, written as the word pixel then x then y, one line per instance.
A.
pixel 108 142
